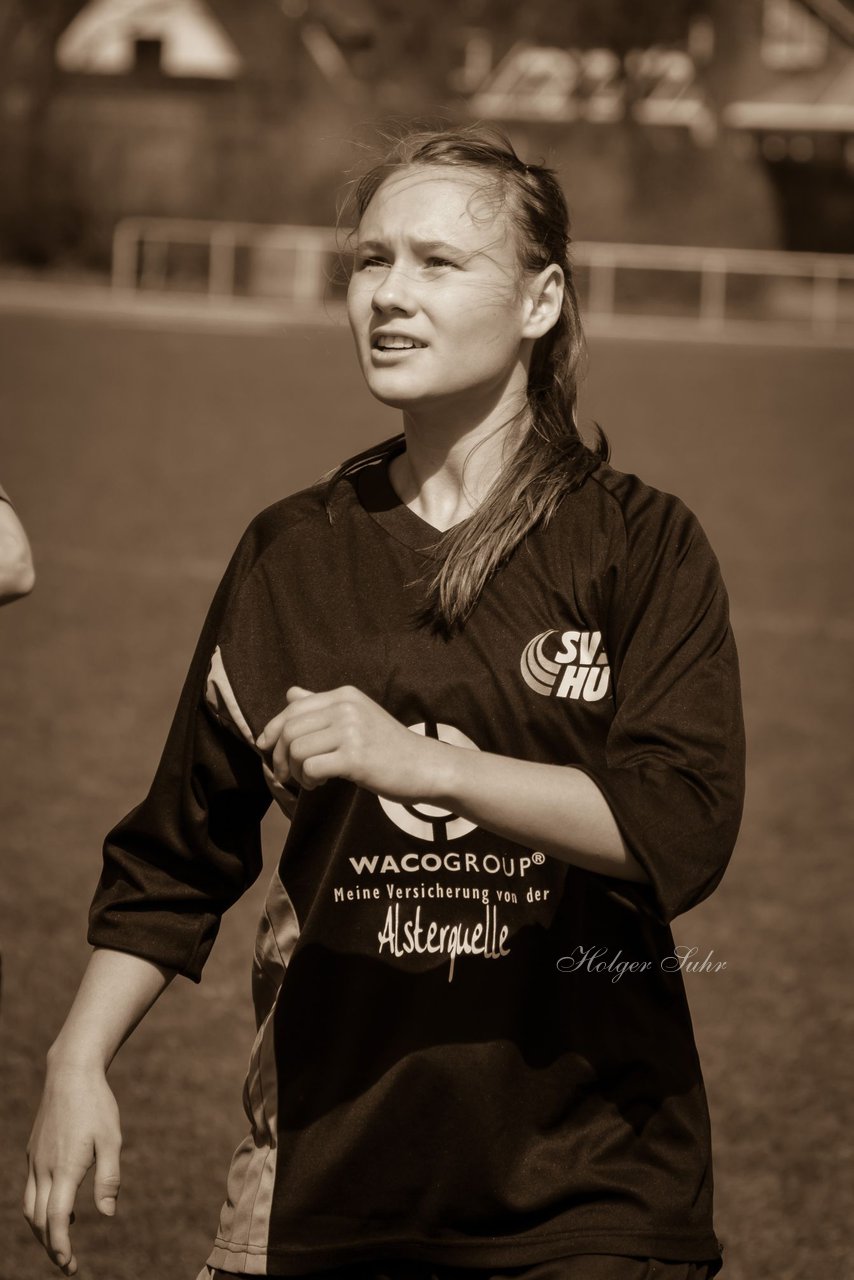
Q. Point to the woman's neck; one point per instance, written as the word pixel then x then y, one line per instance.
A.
pixel 448 468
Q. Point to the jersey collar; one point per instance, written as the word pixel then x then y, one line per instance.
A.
pixel 382 503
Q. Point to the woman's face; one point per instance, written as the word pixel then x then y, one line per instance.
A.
pixel 434 301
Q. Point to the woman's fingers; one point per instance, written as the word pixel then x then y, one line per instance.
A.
pixel 59 1218
pixel 291 753
pixel 334 712
pixel 30 1194
pixel 295 697
pixel 271 731
pixel 304 752
pixel 48 1208
pixel 273 728
pixel 38 1221
pixel 297 726
pixel 49 1201
pixel 296 694
pixel 77 1125
pixel 294 730
pixel 107 1175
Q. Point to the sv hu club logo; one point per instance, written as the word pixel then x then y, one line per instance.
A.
pixel 578 670
pixel 429 821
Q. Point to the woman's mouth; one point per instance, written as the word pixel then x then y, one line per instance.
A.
pixel 395 342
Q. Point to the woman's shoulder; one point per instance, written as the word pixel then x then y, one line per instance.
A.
pixel 316 505
pixel 624 491
pixel 636 523
pixel 619 518
pixel 280 518
pixel 635 507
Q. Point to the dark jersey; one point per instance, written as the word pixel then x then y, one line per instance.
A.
pixel 468 1051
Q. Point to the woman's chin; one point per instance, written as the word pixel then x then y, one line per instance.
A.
pixel 398 397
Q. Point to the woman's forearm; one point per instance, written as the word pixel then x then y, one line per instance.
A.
pixel 116 991
pixel 554 808
pixel 342 733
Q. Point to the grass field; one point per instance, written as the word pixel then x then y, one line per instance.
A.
pixel 136 459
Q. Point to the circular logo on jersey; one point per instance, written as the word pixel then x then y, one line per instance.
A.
pixel 429 821
pixel 578 669
pixel 539 672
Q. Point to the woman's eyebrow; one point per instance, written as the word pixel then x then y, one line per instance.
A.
pixel 422 246
pixel 428 246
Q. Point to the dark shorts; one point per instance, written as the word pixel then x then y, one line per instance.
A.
pixel 588 1266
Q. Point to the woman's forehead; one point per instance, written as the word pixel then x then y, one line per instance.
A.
pixel 436 202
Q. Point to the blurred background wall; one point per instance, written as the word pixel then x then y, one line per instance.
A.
pixel 720 122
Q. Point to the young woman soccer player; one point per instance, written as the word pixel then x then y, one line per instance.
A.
pixel 493 682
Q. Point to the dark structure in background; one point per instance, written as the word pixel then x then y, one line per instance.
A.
pixel 683 121
pixel 790 104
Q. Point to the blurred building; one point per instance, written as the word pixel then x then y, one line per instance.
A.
pixel 718 122
pixel 179 108
pixel 746 130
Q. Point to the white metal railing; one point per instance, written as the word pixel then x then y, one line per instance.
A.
pixel 312 254
pixel 140 246
pixel 820 273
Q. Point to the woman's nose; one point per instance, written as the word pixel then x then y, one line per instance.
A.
pixel 394 292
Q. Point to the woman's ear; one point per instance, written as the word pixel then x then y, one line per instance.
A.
pixel 543 301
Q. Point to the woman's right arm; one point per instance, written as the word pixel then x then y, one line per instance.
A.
pixel 171 867
pixel 78 1121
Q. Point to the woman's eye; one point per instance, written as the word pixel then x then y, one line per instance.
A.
pixel 439 262
pixel 364 263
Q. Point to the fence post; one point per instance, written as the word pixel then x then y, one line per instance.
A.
pixel 221 262
pixel 308 269
pixel 713 290
pixel 602 272
pixel 155 260
pixel 825 281
pixel 125 254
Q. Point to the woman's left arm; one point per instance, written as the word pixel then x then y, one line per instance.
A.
pixel 664 807
pixel 554 808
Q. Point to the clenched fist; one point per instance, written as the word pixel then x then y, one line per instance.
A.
pixel 345 734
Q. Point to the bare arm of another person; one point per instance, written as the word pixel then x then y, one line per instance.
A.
pixel 17 575
pixel 77 1124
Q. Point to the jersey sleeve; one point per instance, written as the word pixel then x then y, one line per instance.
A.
pixel 675 751
pixel 174 864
